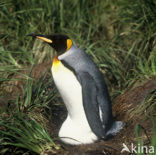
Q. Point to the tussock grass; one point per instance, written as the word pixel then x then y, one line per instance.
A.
pixel 23 125
pixel 24 132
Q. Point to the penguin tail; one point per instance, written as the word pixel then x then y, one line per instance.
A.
pixel 115 128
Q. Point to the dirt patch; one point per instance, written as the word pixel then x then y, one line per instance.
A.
pixel 132 98
pixel 19 80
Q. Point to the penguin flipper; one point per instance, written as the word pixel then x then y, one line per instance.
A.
pixel 91 107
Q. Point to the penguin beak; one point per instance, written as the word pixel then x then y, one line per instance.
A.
pixel 42 37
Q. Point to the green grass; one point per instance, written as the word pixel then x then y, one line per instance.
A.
pixel 20 131
pixel 145 110
pixel 22 123
pixel 149 142
pixel 119 35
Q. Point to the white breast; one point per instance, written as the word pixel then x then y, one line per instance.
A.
pixel 76 125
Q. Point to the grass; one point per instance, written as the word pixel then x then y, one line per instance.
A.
pixel 22 123
pixel 145 110
pixel 22 132
pixel 119 35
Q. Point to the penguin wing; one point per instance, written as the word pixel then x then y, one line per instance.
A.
pixel 91 106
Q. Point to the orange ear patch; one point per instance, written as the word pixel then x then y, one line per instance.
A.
pixel 69 44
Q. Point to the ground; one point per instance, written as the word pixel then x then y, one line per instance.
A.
pixel 123 107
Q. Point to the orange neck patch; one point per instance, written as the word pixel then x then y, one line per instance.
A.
pixel 56 64
pixel 56 61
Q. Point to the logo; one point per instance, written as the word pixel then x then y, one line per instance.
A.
pixel 137 149
pixel 125 148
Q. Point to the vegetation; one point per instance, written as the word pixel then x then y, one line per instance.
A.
pixel 119 35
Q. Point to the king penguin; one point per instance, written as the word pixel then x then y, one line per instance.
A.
pixel 84 92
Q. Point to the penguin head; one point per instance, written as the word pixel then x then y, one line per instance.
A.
pixel 61 43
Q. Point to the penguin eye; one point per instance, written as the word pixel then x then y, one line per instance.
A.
pixel 69 44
